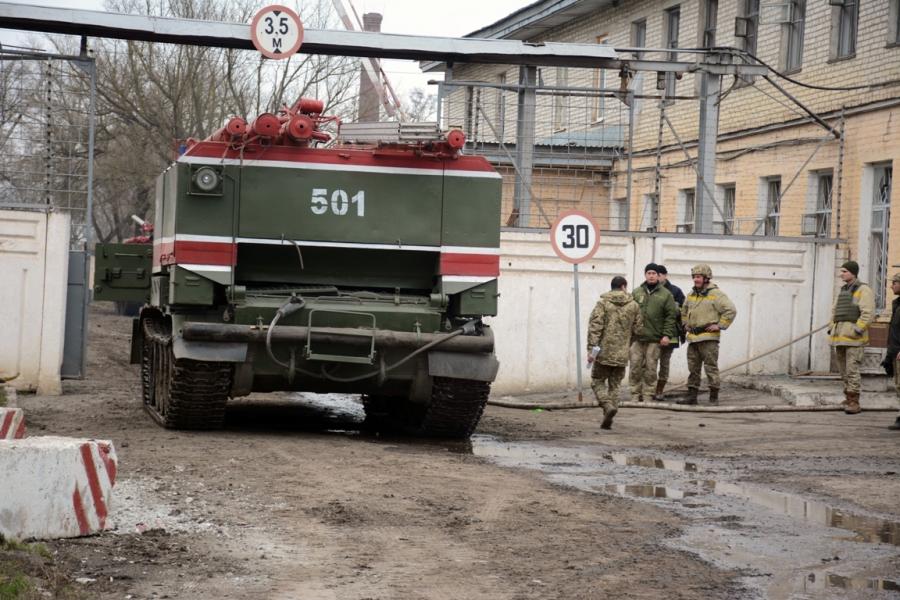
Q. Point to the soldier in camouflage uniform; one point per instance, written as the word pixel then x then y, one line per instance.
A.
pixel 853 311
pixel 891 362
pixel 658 311
pixel 706 312
pixel 614 321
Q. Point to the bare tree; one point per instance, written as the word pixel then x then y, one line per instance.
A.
pixel 149 96
pixel 420 106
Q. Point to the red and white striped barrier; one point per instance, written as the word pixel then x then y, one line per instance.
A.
pixel 12 423
pixel 54 487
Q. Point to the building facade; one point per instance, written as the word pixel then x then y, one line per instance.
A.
pixel 779 170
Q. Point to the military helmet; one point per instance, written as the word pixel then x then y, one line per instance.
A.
pixel 702 269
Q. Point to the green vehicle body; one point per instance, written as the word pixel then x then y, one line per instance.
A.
pixel 383 259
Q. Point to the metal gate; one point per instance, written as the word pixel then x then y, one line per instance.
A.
pixel 47 106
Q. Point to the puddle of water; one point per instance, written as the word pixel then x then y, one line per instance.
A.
pixel 866 529
pixel 648 491
pixel 529 454
pixel 823 581
pixel 653 462
pixel 563 462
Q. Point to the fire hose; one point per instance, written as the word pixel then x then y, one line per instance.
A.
pixel 695 408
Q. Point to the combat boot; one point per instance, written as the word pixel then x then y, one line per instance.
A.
pixel 895 426
pixel 852 407
pixel 660 386
pixel 608 414
pixel 713 395
pixel 846 401
pixel 691 397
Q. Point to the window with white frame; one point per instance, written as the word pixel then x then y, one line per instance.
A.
pixel 672 24
pixel 882 180
pixel 686 206
pixel 844 21
pixel 639 36
pixel 893 38
pixel 746 25
pixel 772 214
pixel 559 99
pixel 817 222
pixel 724 223
pixel 598 107
pixel 650 213
pixel 710 16
pixel 792 35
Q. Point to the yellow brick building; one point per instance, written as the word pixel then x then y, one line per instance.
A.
pixel 777 171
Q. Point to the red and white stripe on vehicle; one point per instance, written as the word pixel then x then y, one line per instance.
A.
pixel 219 253
pixel 353 161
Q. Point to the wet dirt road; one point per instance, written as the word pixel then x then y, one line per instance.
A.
pixel 292 501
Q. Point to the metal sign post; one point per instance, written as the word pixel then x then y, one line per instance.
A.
pixel 575 239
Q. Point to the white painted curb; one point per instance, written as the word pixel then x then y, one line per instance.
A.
pixel 55 487
pixel 12 424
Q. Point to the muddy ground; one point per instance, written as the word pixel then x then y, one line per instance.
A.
pixel 291 500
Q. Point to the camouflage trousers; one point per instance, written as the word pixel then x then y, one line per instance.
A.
pixel 848 361
pixel 703 355
pixel 665 357
pixel 605 381
pixel 643 358
pixel 897 375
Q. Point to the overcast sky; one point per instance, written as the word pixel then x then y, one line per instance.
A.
pixel 451 18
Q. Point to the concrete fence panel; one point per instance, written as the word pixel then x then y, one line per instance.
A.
pixel 34 254
pixel 782 288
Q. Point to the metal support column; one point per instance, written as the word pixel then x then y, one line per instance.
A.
pixel 525 143
pixel 710 86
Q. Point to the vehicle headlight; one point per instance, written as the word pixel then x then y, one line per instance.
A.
pixel 206 179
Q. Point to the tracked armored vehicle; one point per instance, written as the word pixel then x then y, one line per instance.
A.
pixel 364 267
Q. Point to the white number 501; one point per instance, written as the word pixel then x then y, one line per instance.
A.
pixel 340 202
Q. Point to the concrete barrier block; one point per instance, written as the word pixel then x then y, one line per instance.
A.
pixel 54 487
pixel 12 423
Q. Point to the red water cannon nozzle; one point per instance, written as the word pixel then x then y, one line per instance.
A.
pixel 456 139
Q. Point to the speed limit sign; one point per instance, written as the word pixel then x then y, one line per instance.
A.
pixel 277 31
pixel 575 237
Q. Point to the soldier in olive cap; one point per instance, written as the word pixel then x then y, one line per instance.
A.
pixel 706 312
pixel 853 311
pixel 891 362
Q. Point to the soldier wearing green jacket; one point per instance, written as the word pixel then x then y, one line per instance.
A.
pixel 658 311
pixel 614 320
pixel 852 313
pixel 706 312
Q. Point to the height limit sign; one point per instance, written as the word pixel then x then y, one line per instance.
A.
pixel 277 31
pixel 575 239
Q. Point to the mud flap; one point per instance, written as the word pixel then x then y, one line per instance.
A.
pixel 455 365
pixel 230 352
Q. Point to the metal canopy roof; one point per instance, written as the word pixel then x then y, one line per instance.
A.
pixel 536 18
pixel 316 41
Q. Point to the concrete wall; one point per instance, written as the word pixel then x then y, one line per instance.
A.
pixel 34 254
pixel 781 289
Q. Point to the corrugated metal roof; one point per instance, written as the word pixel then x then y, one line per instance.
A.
pixel 531 21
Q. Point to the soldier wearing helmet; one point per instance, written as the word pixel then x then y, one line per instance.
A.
pixel 706 312
pixel 853 311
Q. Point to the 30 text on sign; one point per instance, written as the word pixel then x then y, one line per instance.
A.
pixel 575 237
pixel 277 31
